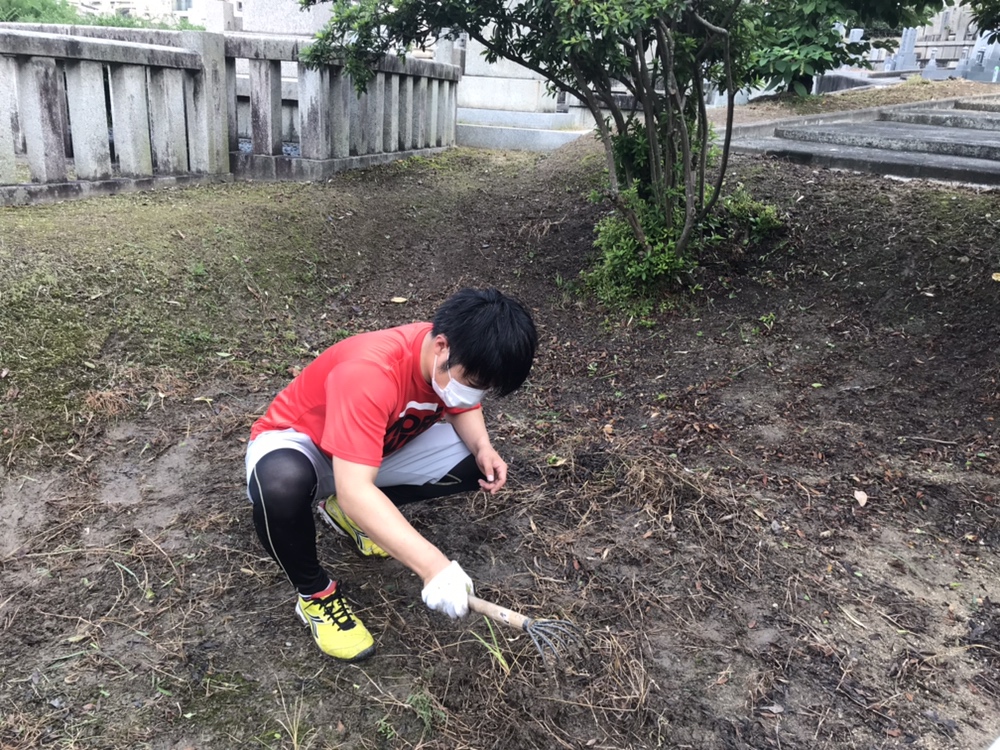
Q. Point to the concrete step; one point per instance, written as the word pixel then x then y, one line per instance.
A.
pixel 980 105
pixel 945 118
pixel 889 136
pixel 906 164
pixel 514 139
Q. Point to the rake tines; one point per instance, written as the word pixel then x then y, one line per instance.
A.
pixel 553 636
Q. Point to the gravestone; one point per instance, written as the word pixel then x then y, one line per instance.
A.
pixel 984 61
pixel 906 58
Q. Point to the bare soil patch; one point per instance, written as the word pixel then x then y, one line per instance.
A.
pixel 772 504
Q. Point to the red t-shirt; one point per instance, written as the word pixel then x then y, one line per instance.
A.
pixel 361 399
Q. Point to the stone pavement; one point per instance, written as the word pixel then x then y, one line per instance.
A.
pixel 955 140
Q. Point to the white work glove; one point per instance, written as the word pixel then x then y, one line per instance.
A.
pixel 448 591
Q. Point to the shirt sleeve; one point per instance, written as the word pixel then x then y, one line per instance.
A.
pixel 360 396
pixel 461 410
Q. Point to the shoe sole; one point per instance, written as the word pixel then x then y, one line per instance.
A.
pixel 328 520
pixel 370 651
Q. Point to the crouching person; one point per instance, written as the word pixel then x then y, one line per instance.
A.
pixel 376 421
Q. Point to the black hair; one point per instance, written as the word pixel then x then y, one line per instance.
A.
pixel 490 335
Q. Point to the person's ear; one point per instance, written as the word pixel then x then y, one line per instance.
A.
pixel 440 343
pixel 440 347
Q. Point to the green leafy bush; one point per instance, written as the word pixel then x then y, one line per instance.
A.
pixel 624 270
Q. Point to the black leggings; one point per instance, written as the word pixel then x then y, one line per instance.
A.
pixel 283 487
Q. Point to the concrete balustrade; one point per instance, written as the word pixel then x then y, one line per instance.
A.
pixel 92 110
pixel 408 106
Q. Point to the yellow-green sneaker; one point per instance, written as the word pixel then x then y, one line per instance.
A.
pixel 334 627
pixel 331 513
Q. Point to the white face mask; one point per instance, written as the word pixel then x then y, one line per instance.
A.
pixel 455 395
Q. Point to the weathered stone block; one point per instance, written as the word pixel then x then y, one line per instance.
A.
pixel 390 122
pixel 39 114
pixel 420 110
pixel 315 141
pixel 375 114
pixel 207 109
pixel 8 111
pixel 406 107
pixel 89 116
pixel 265 106
pixel 341 93
pixel 130 120
pixel 434 91
pixel 167 131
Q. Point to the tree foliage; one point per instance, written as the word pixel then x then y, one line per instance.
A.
pixel 60 11
pixel 37 11
pixel 795 40
pixel 640 66
pixel 986 14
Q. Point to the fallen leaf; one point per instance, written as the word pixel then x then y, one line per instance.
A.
pixel 861 497
pixel 398 300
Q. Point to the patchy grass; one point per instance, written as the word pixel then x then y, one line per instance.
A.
pixel 118 296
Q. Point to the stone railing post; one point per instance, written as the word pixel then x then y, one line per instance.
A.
pixel 39 115
pixel 433 89
pixel 374 115
pixel 406 140
pixel 390 123
pixel 420 113
pixel 130 115
pixel 167 131
pixel 8 110
pixel 89 115
pixel 315 140
pixel 207 110
pixel 231 105
pixel 265 106
pixel 341 95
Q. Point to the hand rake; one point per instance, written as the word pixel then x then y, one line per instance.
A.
pixel 547 635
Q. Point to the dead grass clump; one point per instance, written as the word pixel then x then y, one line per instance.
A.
pixel 20 730
pixel 108 404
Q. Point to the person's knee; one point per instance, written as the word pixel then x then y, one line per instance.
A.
pixel 283 483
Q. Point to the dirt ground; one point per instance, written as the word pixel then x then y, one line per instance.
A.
pixel 772 504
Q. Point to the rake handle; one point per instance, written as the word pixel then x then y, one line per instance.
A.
pixel 500 614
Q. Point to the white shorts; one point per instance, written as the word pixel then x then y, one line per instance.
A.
pixel 426 458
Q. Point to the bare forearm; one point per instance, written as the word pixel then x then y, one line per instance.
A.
pixel 471 429
pixel 370 509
